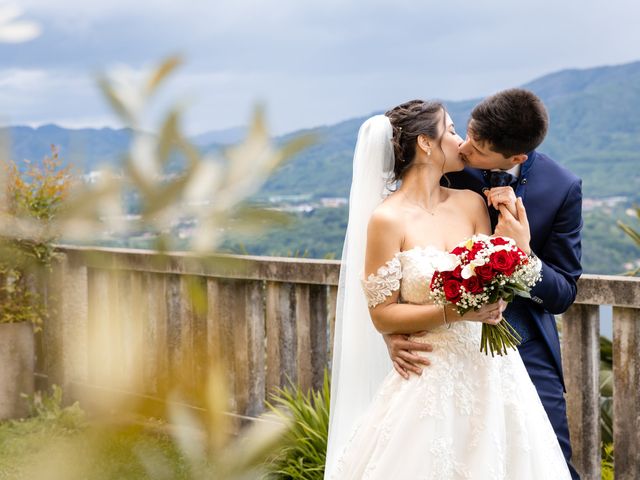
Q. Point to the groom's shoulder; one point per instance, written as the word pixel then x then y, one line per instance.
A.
pixel 467 179
pixel 549 168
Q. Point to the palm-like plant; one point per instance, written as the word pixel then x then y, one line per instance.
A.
pixel 303 455
pixel 634 234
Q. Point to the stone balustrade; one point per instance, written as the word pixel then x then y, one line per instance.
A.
pixel 141 322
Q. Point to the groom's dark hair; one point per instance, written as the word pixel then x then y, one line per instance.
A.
pixel 512 122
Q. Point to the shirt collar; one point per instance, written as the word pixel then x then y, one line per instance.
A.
pixel 515 171
pixel 520 169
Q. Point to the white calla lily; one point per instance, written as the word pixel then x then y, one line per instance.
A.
pixel 468 271
pixel 446 263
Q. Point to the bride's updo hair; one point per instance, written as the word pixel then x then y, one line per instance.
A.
pixel 409 120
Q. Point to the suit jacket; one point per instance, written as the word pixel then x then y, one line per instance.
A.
pixel 552 197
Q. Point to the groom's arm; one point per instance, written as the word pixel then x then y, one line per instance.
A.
pixel 402 352
pixel 561 256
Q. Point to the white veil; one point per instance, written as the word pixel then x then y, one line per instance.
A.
pixel 360 360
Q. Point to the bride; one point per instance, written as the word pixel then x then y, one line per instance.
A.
pixel 468 416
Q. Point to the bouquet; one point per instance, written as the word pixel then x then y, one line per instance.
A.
pixel 480 271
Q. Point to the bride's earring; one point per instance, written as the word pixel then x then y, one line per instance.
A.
pixel 429 153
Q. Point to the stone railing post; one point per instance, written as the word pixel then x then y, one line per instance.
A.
pixel 626 393
pixel 581 363
pixel 66 330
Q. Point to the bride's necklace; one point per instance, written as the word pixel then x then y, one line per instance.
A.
pixel 430 212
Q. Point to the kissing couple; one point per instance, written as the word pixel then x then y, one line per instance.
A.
pixel 412 395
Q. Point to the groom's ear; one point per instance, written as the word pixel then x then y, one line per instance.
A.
pixel 518 159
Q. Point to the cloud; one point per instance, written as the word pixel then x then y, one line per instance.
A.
pixel 13 29
pixel 36 96
pixel 312 63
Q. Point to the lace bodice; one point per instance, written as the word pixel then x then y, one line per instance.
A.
pixel 409 271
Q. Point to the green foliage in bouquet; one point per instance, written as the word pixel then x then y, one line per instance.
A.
pixel 303 455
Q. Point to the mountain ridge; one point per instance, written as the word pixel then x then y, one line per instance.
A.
pixel 594 130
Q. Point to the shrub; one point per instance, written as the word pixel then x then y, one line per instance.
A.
pixel 607 462
pixel 31 199
pixel 303 455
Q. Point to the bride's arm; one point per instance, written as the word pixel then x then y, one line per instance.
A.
pixel 382 269
pixel 406 318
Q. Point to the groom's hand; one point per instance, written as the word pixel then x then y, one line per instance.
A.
pixel 497 196
pixel 401 351
pixel 516 227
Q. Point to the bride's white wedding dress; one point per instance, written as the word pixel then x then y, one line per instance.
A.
pixel 468 416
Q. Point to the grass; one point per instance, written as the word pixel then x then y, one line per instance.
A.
pixel 39 447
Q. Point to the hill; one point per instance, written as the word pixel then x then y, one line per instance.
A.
pixel 85 148
pixel 594 131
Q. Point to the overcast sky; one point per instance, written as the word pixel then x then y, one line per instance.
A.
pixel 311 63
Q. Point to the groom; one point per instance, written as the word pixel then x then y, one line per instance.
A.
pixel 503 132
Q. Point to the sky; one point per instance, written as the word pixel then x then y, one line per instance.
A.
pixel 308 63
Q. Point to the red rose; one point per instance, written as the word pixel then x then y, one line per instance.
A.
pixel 459 250
pixel 477 247
pixel 457 273
pixel 499 241
pixel 452 290
pixel 503 262
pixel 484 272
pixel 473 284
pixel 516 259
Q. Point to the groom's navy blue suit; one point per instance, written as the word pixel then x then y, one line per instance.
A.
pixel 552 197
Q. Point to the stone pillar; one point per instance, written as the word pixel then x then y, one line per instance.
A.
pixel 17 363
pixel 581 361
pixel 66 330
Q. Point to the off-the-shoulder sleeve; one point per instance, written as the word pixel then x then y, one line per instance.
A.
pixel 382 285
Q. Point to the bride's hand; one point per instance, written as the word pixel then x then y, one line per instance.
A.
pixel 502 196
pixel 491 314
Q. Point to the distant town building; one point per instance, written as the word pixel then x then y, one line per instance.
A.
pixel 334 202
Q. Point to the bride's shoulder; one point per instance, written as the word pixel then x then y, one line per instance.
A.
pixel 386 218
pixel 467 198
pixel 385 213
